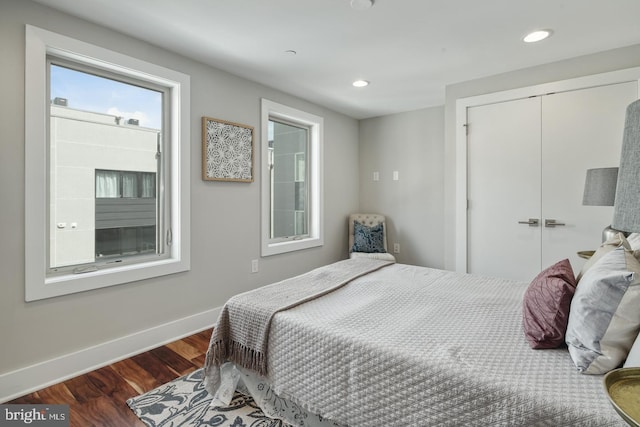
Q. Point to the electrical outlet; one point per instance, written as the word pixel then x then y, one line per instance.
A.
pixel 396 248
pixel 254 266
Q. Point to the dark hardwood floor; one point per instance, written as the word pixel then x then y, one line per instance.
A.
pixel 98 398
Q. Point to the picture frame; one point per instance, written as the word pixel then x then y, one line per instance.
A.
pixel 227 151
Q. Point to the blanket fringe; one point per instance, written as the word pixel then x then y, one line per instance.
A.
pixel 220 352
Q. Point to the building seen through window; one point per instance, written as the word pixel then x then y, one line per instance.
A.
pixel 103 169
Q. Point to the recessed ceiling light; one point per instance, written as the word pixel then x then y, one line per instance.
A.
pixel 537 36
pixel 361 4
pixel 360 83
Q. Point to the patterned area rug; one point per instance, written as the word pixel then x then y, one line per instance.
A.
pixel 185 402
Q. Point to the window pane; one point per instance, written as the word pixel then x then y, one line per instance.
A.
pixel 115 242
pixel 129 185
pixel 129 240
pixel 289 204
pixel 107 184
pixel 104 139
pixel 108 242
pixel 148 185
pixel 147 239
pixel 301 165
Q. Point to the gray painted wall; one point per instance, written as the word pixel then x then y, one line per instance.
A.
pixel 412 144
pixel 420 145
pixel 612 60
pixel 224 216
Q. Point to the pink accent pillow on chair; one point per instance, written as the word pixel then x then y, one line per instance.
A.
pixel 545 307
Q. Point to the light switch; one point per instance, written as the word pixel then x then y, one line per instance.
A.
pixel 376 176
pixel 395 175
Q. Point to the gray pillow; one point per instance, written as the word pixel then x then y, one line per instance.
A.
pixel 604 318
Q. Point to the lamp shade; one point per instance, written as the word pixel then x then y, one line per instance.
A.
pixel 600 187
pixel 626 211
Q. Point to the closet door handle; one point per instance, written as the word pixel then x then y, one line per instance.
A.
pixel 533 222
pixel 552 223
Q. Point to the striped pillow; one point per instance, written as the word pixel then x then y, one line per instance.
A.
pixel 605 317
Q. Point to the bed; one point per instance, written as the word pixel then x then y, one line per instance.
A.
pixel 389 344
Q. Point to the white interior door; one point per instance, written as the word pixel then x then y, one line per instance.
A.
pixel 582 129
pixel 504 189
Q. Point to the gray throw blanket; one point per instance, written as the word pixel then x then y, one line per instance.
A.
pixel 242 331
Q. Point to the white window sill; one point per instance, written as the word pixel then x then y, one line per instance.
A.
pixel 291 246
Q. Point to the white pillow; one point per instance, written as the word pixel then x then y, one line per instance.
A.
pixel 634 241
pixel 604 318
pixel 633 359
pixel 604 249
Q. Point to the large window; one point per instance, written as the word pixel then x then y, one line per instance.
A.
pixel 292 179
pixel 111 204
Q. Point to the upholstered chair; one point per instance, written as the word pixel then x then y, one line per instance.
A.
pixel 372 239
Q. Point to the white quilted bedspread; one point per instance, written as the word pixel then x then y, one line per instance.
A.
pixel 412 346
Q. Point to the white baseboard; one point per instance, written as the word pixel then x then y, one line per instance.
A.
pixel 35 377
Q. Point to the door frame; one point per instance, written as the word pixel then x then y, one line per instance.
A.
pixel 461 160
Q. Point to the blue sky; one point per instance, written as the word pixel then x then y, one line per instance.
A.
pixel 85 91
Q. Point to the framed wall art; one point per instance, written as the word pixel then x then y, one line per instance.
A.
pixel 227 151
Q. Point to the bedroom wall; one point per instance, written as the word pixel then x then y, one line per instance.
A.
pixel 411 143
pixel 616 59
pixel 224 216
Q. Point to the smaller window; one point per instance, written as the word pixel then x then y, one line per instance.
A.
pixel 291 180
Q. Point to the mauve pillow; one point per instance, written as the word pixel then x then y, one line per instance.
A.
pixel 546 303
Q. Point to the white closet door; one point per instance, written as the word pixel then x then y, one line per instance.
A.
pixel 581 130
pixel 504 188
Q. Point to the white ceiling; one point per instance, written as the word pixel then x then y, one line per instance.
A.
pixel 408 49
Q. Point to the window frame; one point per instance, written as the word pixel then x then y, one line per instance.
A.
pixel 315 236
pixel 38 284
